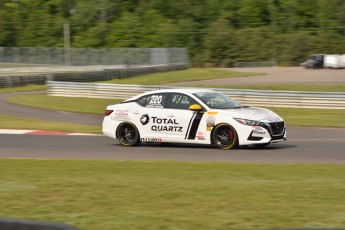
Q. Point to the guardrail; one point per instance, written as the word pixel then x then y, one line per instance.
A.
pixel 268 98
pixel 38 75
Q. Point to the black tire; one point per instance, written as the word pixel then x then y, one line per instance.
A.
pixel 224 136
pixel 260 146
pixel 128 134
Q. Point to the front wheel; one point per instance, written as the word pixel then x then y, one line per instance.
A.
pixel 128 134
pixel 224 136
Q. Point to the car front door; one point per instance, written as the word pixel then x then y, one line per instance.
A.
pixel 186 123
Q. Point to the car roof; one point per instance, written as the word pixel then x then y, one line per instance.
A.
pixel 180 90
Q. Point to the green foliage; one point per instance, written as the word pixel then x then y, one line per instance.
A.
pixel 217 32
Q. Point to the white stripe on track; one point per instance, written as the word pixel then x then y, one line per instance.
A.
pixel 14 131
pixel 44 132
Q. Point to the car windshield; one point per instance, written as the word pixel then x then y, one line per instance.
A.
pixel 216 100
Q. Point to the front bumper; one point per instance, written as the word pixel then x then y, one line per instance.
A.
pixel 277 131
pixel 269 133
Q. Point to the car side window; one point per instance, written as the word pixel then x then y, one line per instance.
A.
pixel 142 101
pixel 154 100
pixel 181 101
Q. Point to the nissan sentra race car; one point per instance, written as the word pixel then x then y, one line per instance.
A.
pixel 197 116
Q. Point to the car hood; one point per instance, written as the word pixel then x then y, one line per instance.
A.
pixel 252 113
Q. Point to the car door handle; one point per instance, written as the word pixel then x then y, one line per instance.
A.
pixel 171 115
pixel 136 112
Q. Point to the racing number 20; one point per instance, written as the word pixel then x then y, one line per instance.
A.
pixel 156 99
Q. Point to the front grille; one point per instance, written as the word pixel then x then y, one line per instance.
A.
pixel 277 128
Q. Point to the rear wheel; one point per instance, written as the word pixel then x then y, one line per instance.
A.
pixel 128 134
pixel 224 136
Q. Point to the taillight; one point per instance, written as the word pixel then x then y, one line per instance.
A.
pixel 108 112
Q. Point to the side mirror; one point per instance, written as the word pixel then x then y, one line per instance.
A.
pixel 195 107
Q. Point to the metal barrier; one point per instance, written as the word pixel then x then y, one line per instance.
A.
pixel 38 75
pixel 21 80
pixel 287 99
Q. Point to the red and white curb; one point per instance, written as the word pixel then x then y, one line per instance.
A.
pixel 43 132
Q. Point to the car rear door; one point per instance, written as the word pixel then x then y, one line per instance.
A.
pixel 148 116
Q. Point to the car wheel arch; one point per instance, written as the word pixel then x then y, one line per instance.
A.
pixel 117 131
pixel 224 124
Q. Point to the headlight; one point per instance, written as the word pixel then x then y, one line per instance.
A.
pixel 249 122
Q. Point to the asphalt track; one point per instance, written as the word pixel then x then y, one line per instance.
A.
pixel 306 145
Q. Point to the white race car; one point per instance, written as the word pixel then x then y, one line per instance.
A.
pixel 197 116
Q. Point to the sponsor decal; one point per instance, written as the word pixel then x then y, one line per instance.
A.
pixel 164 121
pixel 161 124
pixel 144 119
pixel 200 136
pixel 155 102
pixel 258 133
pixel 154 106
pixel 214 113
pixel 166 128
pixel 210 121
pixel 153 139
pixel 120 115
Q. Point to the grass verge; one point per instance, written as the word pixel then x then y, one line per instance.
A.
pixel 193 74
pixel 292 116
pixel 170 195
pixel 11 122
pixel 68 104
pixel 23 88
pixel 312 117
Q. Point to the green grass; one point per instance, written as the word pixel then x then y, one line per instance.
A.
pixel 23 88
pixel 68 104
pixel 193 74
pixel 197 74
pixel 170 195
pixel 312 117
pixel 11 122
pixel 293 116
